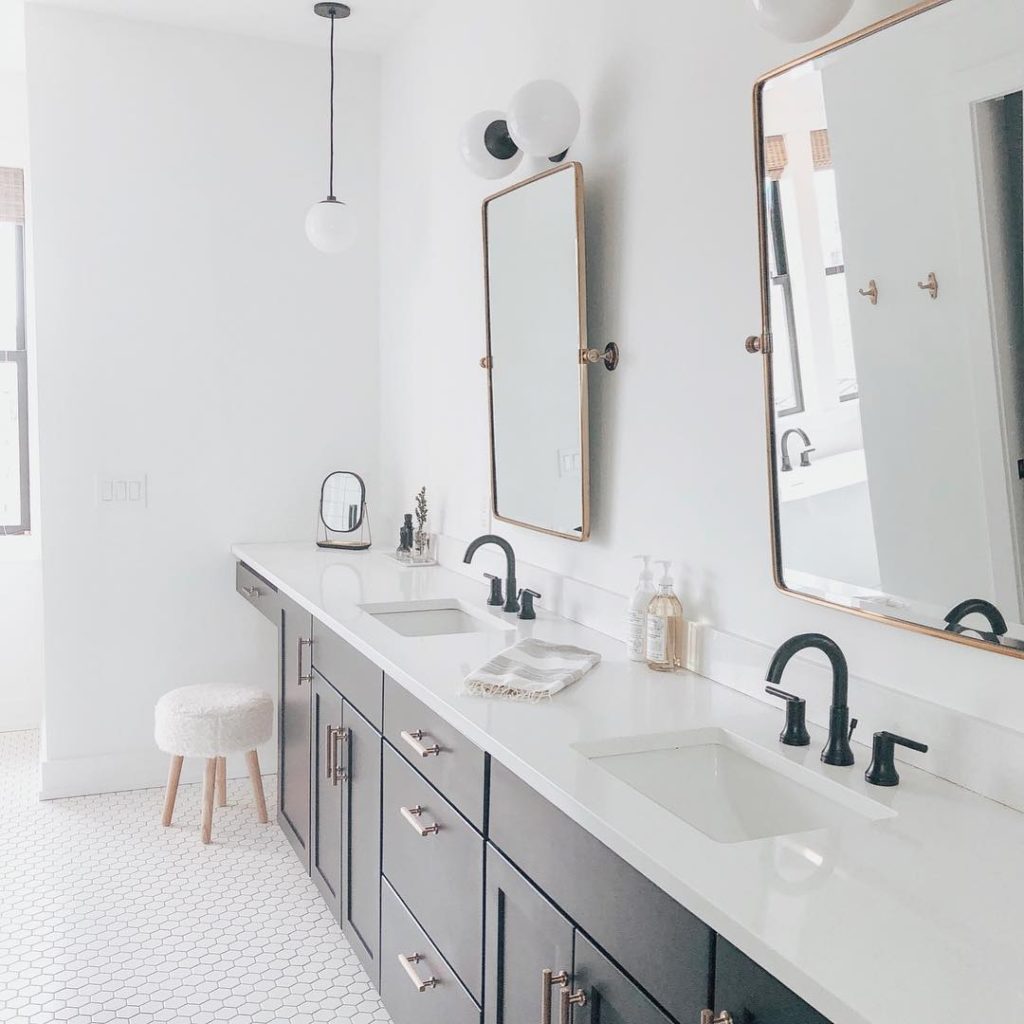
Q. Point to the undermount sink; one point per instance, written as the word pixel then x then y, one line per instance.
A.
pixel 729 788
pixel 440 617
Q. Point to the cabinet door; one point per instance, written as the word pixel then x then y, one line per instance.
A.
pixel 361 765
pixel 293 711
pixel 611 996
pixel 526 936
pixel 752 995
pixel 326 785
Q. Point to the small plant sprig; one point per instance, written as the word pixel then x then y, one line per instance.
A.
pixel 421 508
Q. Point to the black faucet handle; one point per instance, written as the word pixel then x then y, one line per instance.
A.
pixel 805 457
pixel 496 598
pixel 526 598
pixel 795 733
pixel 882 770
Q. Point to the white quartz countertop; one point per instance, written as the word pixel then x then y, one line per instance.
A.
pixel 915 918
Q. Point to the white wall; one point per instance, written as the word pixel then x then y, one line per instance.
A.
pixel 187 331
pixel 679 464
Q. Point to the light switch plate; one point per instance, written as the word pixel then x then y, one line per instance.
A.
pixel 122 490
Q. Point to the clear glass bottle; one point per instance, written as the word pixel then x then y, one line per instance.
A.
pixel 665 627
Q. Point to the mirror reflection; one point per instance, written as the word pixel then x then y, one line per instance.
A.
pixel 536 324
pixel 895 306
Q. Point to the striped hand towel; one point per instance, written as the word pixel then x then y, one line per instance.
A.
pixel 531 670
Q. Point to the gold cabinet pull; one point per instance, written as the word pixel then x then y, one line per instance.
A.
pixel 931 285
pixel 708 1017
pixel 408 962
pixel 411 814
pixel 548 980
pixel 415 740
pixel 567 999
pixel 871 292
pixel 304 641
pixel 330 750
pixel 339 771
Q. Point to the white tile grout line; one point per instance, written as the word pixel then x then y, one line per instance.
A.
pixel 106 916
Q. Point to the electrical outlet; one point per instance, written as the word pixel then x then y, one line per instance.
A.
pixel 122 491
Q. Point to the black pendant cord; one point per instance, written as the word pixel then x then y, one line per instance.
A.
pixel 330 190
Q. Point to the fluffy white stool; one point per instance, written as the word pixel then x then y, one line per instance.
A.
pixel 212 721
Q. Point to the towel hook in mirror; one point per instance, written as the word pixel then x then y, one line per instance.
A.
pixel 871 292
pixel 931 285
pixel 610 355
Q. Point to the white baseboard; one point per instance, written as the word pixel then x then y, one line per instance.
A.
pixel 20 714
pixel 137 769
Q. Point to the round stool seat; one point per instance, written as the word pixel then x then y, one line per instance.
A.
pixel 211 720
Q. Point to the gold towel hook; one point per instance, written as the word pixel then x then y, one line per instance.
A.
pixel 931 285
pixel 871 292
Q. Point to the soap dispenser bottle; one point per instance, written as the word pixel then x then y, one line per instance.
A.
pixel 636 615
pixel 665 627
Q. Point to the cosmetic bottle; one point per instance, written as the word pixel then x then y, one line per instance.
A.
pixel 636 613
pixel 665 627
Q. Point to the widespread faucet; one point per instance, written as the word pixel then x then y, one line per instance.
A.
pixel 837 750
pixel 805 455
pixel 511 589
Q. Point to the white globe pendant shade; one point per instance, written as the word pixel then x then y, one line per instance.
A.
pixel 800 21
pixel 543 118
pixel 486 147
pixel 330 226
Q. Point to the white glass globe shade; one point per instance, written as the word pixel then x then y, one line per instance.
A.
pixel 473 146
pixel 800 21
pixel 330 226
pixel 543 118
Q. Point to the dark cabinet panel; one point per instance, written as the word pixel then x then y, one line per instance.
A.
pixel 610 996
pixel 293 727
pixel 434 859
pixel 326 790
pixel 352 674
pixel 663 946
pixel 416 983
pixel 526 935
pixel 752 995
pixel 361 766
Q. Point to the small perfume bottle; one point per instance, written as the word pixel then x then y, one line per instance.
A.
pixel 404 551
pixel 665 627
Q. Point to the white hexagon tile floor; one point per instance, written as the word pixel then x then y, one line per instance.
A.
pixel 106 916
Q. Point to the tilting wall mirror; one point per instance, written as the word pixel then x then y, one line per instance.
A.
pixel 343 521
pixel 537 353
pixel 891 197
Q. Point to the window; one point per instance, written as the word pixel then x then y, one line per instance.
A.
pixel 14 493
pixel 789 395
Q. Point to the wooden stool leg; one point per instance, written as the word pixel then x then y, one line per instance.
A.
pixel 222 782
pixel 209 784
pixel 173 775
pixel 253 761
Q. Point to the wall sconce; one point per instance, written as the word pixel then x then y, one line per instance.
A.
pixel 800 21
pixel 543 120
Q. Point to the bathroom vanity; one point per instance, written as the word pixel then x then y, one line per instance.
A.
pixel 580 858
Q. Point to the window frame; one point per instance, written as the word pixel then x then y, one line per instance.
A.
pixel 19 356
pixel 777 235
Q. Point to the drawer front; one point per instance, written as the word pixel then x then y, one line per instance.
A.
pixel 439 875
pixel 659 943
pixel 436 750
pixel 257 591
pixel 416 984
pixel 354 676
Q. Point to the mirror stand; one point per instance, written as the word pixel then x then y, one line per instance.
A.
pixel 328 538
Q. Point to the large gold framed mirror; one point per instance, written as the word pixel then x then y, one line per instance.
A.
pixel 890 183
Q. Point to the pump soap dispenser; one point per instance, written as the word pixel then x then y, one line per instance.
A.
pixel 665 627
pixel 636 615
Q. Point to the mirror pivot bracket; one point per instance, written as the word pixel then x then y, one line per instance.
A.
pixel 610 356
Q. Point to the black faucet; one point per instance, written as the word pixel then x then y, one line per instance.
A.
pixel 977 606
pixel 837 750
pixel 882 770
pixel 805 455
pixel 511 589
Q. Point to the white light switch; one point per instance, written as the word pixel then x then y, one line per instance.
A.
pixel 122 490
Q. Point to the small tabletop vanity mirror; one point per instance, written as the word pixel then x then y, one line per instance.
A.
pixel 537 354
pixel 891 196
pixel 343 521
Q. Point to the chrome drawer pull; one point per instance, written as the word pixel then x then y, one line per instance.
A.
pixel 330 750
pixel 408 961
pixel 414 738
pixel 253 593
pixel 708 1017
pixel 411 814
pixel 340 772
pixel 567 999
pixel 548 980
pixel 304 641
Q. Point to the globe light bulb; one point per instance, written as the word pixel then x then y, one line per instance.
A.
pixel 543 118
pixel 486 147
pixel 800 21
pixel 330 226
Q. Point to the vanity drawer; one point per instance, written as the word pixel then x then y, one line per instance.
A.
pixel 352 674
pixel 431 993
pixel 436 750
pixel 257 591
pixel 660 944
pixel 439 875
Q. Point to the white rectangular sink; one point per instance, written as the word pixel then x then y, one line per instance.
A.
pixel 729 788
pixel 440 617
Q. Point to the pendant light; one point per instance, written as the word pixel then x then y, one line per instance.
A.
pixel 330 225
pixel 800 21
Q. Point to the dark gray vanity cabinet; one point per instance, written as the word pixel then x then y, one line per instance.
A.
pixel 605 994
pixel 752 995
pixel 326 738
pixel 294 706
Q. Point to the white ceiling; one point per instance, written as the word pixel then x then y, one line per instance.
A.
pixel 371 27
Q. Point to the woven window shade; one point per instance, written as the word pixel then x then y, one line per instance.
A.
pixel 12 195
pixel 821 150
pixel 775 156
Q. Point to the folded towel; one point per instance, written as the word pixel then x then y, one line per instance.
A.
pixel 531 670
